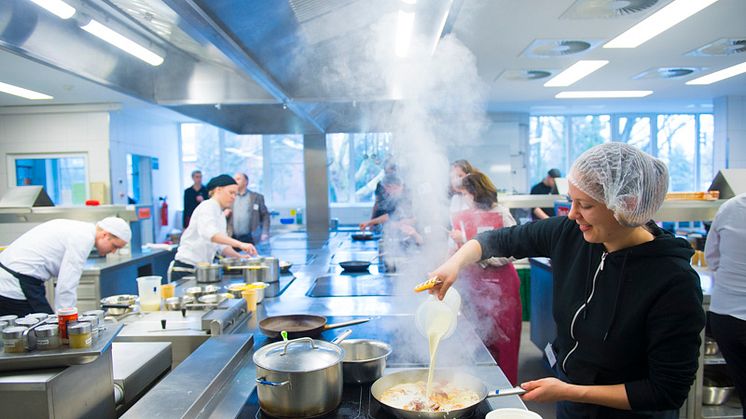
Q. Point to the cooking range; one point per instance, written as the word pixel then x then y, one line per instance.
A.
pixel 357 402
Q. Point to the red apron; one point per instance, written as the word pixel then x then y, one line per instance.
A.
pixel 492 302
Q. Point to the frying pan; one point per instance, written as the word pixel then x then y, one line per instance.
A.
pixel 464 380
pixel 362 235
pixel 300 325
pixel 358 265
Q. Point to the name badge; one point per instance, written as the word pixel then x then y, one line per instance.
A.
pixel 550 355
pixel 256 207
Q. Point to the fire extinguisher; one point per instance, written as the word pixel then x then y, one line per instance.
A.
pixel 164 212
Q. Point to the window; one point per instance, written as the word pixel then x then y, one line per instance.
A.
pixel 683 141
pixel 547 145
pixel 676 147
pixel 588 131
pixel 65 178
pixel 200 150
pixel 287 177
pixel 243 154
pixel 356 165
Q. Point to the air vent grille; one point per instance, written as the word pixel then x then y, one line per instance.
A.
pixel 543 48
pixel 524 75
pixel 721 47
pixel 606 9
pixel 667 72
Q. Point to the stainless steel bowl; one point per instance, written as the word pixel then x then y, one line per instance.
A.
pixel 714 396
pixel 365 360
pixel 195 292
pixel 121 301
pixel 177 303
pixel 211 299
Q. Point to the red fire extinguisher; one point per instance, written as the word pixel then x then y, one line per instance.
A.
pixel 164 212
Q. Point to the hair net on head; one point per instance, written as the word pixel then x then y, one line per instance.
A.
pixel 628 181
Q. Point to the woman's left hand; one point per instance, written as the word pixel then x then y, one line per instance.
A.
pixel 249 248
pixel 545 390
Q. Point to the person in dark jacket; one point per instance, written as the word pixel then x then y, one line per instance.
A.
pixel 626 301
pixel 193 196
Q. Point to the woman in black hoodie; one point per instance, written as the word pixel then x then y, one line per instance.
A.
pixel 627 304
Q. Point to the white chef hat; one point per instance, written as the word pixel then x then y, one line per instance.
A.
pixel 628 181
pixel 117 227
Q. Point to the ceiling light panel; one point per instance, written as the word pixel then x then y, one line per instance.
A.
pixel 120 41
pixel 575 72
pixel 717 76
pixel 603 94
pixel 21 92
pixel 57 7
pixel 658 23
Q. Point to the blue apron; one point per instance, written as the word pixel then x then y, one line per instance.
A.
pixel 34 291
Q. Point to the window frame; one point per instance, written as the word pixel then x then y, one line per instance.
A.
pixel 11 159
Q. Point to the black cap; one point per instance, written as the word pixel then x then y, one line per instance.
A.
pixel 551 173
pixel 220 180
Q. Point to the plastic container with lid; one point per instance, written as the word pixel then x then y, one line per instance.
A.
pixel 13 340
pixel 436 316
pixel 47 337
pixel 80 335
pixel 65 316
pixel 149 290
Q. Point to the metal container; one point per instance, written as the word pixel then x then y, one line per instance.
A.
pixel 40 316
pixel 255 273
pixel 273 269
pixel 97 313
pixel 117 305
pixel 27 321
pixel 236 289
pixel 9 318
pixel 177 303
pixel 47 337
pixel 715 396
pixel 364 360
pixel 205 274
pixel 711 347
pixel 299 378
pixel 272 290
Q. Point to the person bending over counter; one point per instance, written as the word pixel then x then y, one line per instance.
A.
pixel 57 248
pixel 626 301
pixel 207 230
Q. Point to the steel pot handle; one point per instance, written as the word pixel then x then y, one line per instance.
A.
pixel 265 382
pixel 309 340
pixel 515 391
pixel 180 269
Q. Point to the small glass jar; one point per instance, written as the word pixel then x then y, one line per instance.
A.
pixel 13 340
pixel 98 313
pixel 93 320
pixel 66 316
pixel 40 316
pixel 10 318
pixel 79 335
pixel 47 337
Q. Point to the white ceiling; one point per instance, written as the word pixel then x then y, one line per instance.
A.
pixel 497 32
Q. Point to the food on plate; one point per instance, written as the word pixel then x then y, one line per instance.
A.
pixel 412 396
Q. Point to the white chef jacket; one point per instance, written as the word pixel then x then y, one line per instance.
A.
pixel 196 244
pixel 57 248
pixel 725 253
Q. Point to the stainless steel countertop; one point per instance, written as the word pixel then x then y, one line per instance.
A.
pixel 391 320
pixel 95 265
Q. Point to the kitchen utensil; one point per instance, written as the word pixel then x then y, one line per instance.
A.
pixel 711 347
pixel 422 286
pixel 298 325
pixel 252 273
pixel 177 303
pixel 203 272
pixel 357 265
pixel 512 413
pixel 249 294
pixel 273 269
pixel 285 266
pixel 365 360
pixel 717 387
pixel 434 314
pixel 299 378
pixel 116 305
pixel 462 379
pixel 236 289
pixel 259 288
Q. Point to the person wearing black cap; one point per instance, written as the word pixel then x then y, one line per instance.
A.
pixel 207 230
pixel 545 187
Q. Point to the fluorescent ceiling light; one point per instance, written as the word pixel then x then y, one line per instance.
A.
pixel 24 93
pixel 575 72
pixel 597 94
pixel 719 75
pixel 404 27
pixel 57 7
pixel 123 43
pixel 658 22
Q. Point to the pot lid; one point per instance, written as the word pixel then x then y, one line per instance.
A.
pixel 298 355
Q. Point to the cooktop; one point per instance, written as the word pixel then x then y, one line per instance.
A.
pixel 357 402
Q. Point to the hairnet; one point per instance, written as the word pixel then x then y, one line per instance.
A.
pixel 628 181
pixel 117 227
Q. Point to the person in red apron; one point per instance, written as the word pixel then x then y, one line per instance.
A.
pixel 55 249
pixel 493 287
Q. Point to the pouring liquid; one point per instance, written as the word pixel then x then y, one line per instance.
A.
pixel 438 325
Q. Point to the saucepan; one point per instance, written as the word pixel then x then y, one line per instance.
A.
pixel 462 380
pixel 365 360
pixel 300 325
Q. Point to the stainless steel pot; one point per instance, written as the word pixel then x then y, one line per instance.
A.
pixel 365 360
pixel 206 274
pixel 252 273
pixel 299 378
pixel 273 268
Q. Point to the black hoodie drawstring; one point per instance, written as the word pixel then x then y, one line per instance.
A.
pixel 617 297
pixel 588 279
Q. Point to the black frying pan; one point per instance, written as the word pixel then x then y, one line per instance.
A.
pixel 355 265
pixel 300 325
pixel 362 235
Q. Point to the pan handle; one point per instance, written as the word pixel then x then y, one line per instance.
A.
pixel 180 269
pixel 342 336
pixel 515 391
pixel 263 381
pixel 343 324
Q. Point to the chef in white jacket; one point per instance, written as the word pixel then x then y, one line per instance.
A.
pixel 57 248
pixel 207 234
